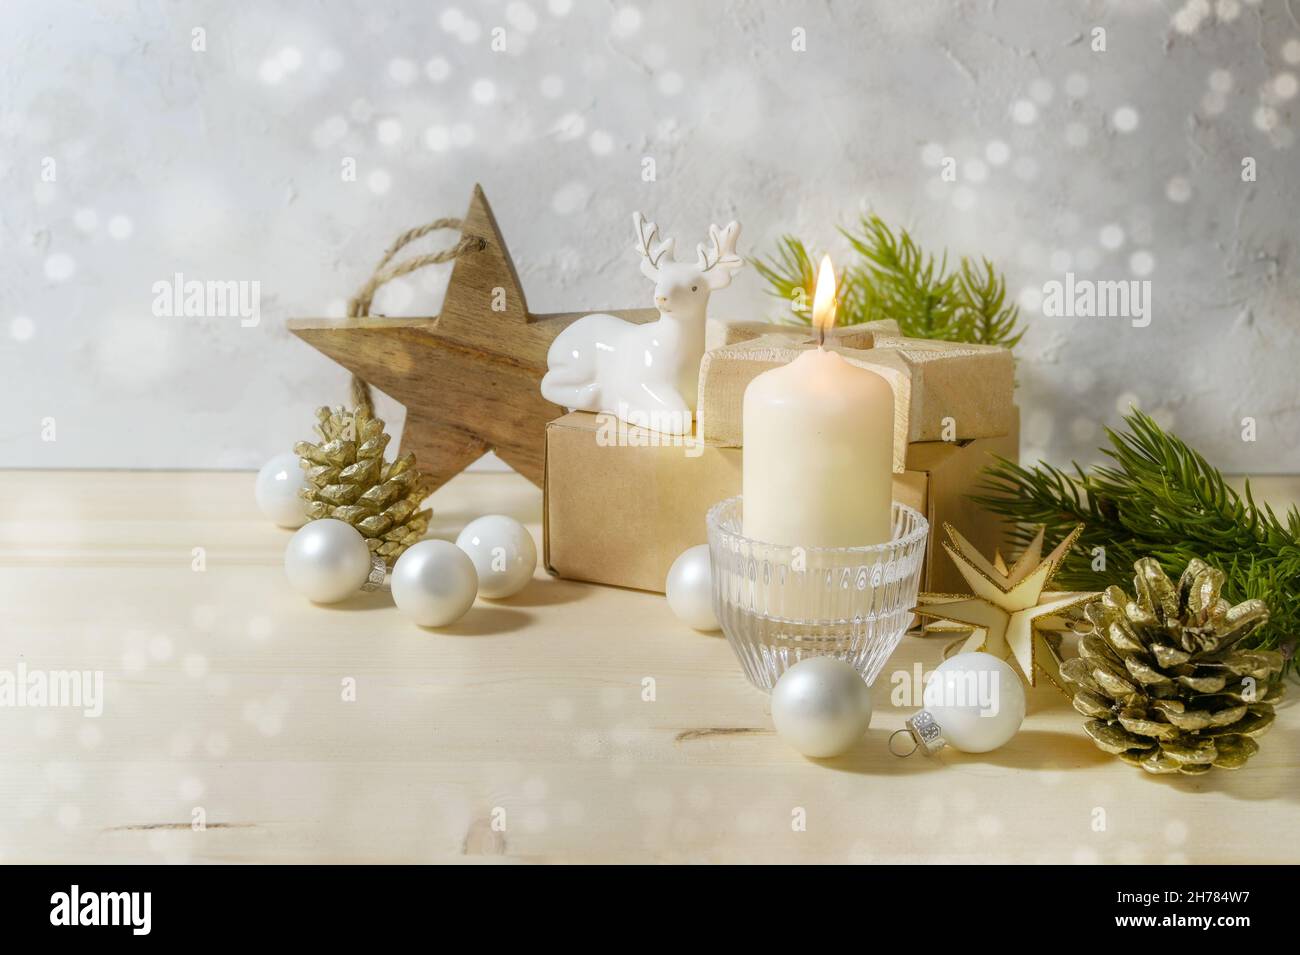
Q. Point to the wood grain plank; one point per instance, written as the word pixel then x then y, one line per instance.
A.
pixel 223 691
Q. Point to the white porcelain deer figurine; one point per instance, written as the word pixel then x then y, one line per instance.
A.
pixel 645 374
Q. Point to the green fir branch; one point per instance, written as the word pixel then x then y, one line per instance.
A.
pixel 985 316
pixel 893 277
pixel 1158 497
pixel 907 284
pixel 790 276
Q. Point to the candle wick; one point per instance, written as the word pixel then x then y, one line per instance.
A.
pixel 821 335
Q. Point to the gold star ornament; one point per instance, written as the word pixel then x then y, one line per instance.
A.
pixel 1009 611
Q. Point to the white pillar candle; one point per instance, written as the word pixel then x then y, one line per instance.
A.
pixel 818 459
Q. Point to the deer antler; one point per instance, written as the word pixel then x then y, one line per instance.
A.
pixel 647 234
pixel 722 259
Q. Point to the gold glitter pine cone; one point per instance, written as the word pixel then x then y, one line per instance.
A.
pixel 1160 679
pixel 350 481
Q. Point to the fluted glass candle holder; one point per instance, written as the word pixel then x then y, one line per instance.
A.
pixel 778 604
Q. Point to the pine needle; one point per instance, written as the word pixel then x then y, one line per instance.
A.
pixel 1157 498
pixel 893 277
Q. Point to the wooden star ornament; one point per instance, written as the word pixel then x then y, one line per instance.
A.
pixel 1009 611
pixel 469 377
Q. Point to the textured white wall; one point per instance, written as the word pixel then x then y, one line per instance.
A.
pixel 225 164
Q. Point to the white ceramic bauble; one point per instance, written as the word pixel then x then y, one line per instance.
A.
pixel 327 561
pixel 978 701
pixel 434 583
pixel 821 706
pixel 689 588
pixel 503 553
pixel 277 489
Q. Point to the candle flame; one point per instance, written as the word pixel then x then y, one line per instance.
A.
pixel 824 304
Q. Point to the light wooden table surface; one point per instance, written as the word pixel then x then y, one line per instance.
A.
pixel 223 692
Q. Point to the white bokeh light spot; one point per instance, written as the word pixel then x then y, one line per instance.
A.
pixel 627 21
pixel 1030 299
pixel 388 131
pixel 469 32
pixel 120 227
pixel 1141 263
pixel 1265 118
pixel 271 72
pixel 60 267
pixel 521 16
pixel 1227 10
pixel 570 198
pixel 402 71
pixel 290 59
pixel 1126 401
pixel 1125 119
pixel 437 69
pixel 437 139
pixel 670 83
pixel 1024 112
pixel 22 328
pixel 1178 189
pixel 330 132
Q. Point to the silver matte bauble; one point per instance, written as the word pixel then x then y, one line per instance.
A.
pixel 977 700
pixel 434 583
pixel 276 491
pixel 503 553
pixel 327 561
pixel 689 588
pixel 821 706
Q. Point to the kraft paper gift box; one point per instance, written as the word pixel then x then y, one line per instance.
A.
pixel 943 391
pixel 622 502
